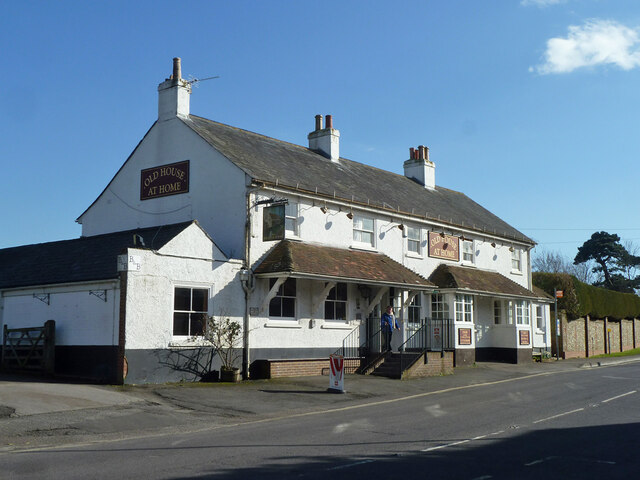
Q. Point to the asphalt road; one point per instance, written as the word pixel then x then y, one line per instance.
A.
pixel 573 423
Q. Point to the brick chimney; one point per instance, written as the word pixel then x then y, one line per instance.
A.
pixel 325 141
pixel 419 168
pixel 173 95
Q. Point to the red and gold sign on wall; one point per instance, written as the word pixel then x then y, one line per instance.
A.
pixel 444 246
pixel 464 336
pixel 171 179
pixel 524 337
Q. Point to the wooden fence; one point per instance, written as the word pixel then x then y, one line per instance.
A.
pixel 29 349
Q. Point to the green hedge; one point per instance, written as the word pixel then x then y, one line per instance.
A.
pixel 580 299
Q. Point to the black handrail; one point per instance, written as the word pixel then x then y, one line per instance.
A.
pixel 435 334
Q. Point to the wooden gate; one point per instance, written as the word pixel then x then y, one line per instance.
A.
pixel 29 349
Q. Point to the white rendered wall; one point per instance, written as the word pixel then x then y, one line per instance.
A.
pixel 150 290
pixel 334 228
pixel 216 195
pixel 81 318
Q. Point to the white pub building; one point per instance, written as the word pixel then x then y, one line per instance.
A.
pixel 302 247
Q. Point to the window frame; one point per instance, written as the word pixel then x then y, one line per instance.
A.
pixel 440 307
pixel 359 231
pixel 190 312
pixel 290 219
pixel 497 312
pixel 332 301
pixel 415 306
pixel 516 260
pixel 464 308
pixel 468 243
pixel 281 298
pixel 521 313
pixel 416 241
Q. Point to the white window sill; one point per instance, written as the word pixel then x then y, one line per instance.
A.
pixel 336 325
pixel 283 324
pixel 414 255
pixel 516 272
pixel 187 343
pixel 466 263
pixel 363 246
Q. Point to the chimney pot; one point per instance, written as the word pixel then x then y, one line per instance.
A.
pixel 318 122
pixel 329 121
pixel 412 153
pixel 421 149
pixel 177 69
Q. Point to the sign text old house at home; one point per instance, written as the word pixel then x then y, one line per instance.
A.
pixel 171 179
pixel 444 246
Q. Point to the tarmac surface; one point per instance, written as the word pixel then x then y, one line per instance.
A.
pixel 36 413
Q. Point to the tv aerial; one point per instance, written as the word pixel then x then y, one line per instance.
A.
pixel 194 80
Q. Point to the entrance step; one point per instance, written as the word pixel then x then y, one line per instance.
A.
pixel 391 367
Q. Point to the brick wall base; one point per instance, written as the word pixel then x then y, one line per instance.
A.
pixel 437 364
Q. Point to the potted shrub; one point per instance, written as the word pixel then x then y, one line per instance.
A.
pixel 225 335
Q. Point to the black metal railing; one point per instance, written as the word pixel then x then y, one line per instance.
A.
pixel 358 353
pixel 434 335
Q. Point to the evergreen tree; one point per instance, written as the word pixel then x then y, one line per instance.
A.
pixel 612 260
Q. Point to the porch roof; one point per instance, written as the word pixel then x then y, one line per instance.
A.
pixel 481 282
pixel 305 260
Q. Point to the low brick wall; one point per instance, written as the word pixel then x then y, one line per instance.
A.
pixel 437 364
pixel 297 367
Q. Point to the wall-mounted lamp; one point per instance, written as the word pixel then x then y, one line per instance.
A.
pixel 462 238
pixel 350 215
pixel 401 226
pixel 493 244
pixel 324 209
pixel 511 249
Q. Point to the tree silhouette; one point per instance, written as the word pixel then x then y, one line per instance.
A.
pixel 611 258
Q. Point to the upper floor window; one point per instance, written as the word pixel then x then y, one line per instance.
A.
pixel 291 219
pixel 464 308
pixel 516 260
pixel 467 251
pixel 190 308
pixel 363 231
pixel 283 305
pixel 439 306
pixel 335 306
pixel 413 240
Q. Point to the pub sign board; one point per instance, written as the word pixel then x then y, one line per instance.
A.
pixel 464 336
pixel 446 247
pixel 524 337
pixel 165 180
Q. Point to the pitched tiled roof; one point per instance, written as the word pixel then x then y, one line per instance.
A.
pixel 477 281
pixel 304 259
pixel 78 260
pixel 274 161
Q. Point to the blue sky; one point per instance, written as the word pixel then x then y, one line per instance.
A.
pixel 531 108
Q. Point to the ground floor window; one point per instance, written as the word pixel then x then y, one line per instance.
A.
pixel 439 306
pixel 190 308
pixel 522 312
pixel 464 308
pixel 283 305
pixel 497 312
pixel 414 309
pixel 539 317
pixel 335 306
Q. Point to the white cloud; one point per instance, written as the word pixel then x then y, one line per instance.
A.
pixel 540 3
pixel 597 42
